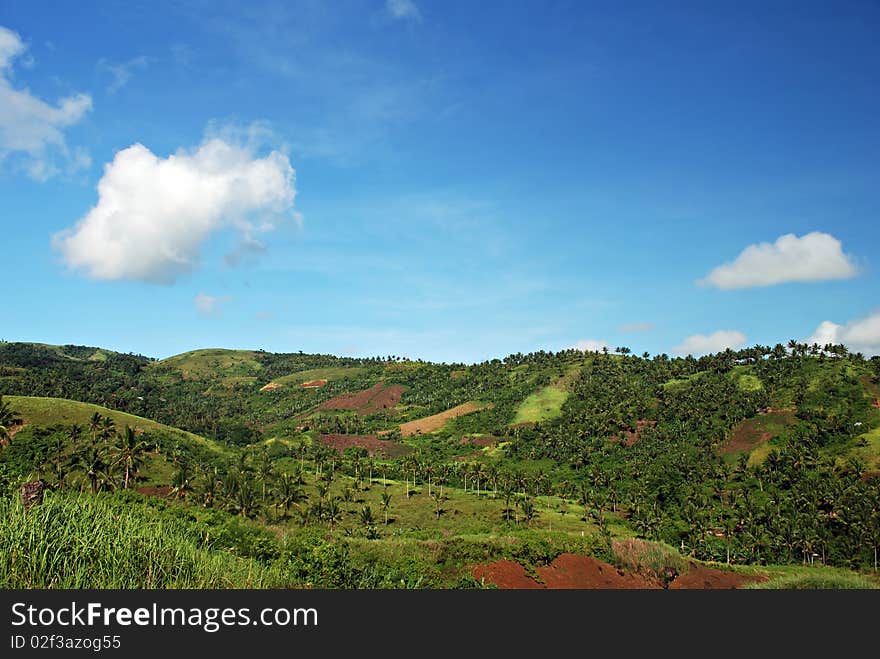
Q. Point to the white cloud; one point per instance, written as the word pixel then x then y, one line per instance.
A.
pixel 591 345
pixel 154 214
pixel 209 305
pixel 861 335
pixel 122 72
pixel 701 344
pixel 630 328
pixel 31 127
pixel 403 9
pixel 815 256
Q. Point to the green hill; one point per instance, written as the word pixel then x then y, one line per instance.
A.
pixel 763 459
pixel 59 412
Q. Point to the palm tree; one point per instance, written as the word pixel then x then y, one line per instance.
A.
pixel 386 501
pixel 366 516
pixel 180 481
pixel 528 509
pixel 74 432
pixel 129 452
pixel 332 512
pixel 95 426
pixel 107 428
pixel 95 467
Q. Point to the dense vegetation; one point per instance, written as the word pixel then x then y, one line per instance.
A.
pixel 579 448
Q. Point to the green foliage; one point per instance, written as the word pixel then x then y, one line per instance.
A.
pixel 81 541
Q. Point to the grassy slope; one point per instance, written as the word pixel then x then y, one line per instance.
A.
pixel 542 405
pixel 329 373
pixel 59 411
pixel 213 362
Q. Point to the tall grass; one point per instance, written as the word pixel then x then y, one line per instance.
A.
pixel 825 580
pixel 81 541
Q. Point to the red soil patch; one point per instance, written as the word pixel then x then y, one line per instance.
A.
pixel 750 434
pixel 154 490
pixel 700 577
pixel 868 475
pixel 367 401
pixel 877 403
pixel 388 397
pixel 353 401
pixel 576 571
pixel 272 386
pixel 371 443
pixel 506 575
pixel 479 441
pixel 314 383
pixel 630 437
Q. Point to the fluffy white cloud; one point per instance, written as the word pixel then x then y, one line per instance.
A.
pixel 404 9
pixel 862 335
pixel 701 344
pixel 209 305
pixel 31 127
pixel 815 256
pixel 154 214
pixel 631 328
pixel 591 345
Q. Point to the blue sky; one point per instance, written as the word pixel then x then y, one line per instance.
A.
pixel 471 179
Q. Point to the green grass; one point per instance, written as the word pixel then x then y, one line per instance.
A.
pixel 810 577
pixel 330 373
pixel 60 411
pixel 749 383
pixel 870 452
pixel 543 405
pixel 213 363
pixel 83 541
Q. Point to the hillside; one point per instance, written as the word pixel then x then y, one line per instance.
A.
pixel 758 460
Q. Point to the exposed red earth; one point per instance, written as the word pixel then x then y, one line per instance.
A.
pixel 314 383
pixel 576 571
pixel 479 441
pixel 371 443
pixel 376 398
pixel 630 437
pixel 749 434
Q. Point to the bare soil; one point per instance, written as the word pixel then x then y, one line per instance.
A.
pixel 371 443
pixel 576 571
pixel 436 421
pixel 313 383
pixel 272 386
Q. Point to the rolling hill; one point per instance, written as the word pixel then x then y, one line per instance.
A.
pixel 757 461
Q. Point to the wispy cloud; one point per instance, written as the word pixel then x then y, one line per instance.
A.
pixel 121 72
pixel 632 328
pixel 356 95
pixel 403 10
pixel 210 306
pixel 32 129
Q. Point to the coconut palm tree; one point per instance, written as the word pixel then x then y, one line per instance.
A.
pixel 129 451
pixel 386 502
